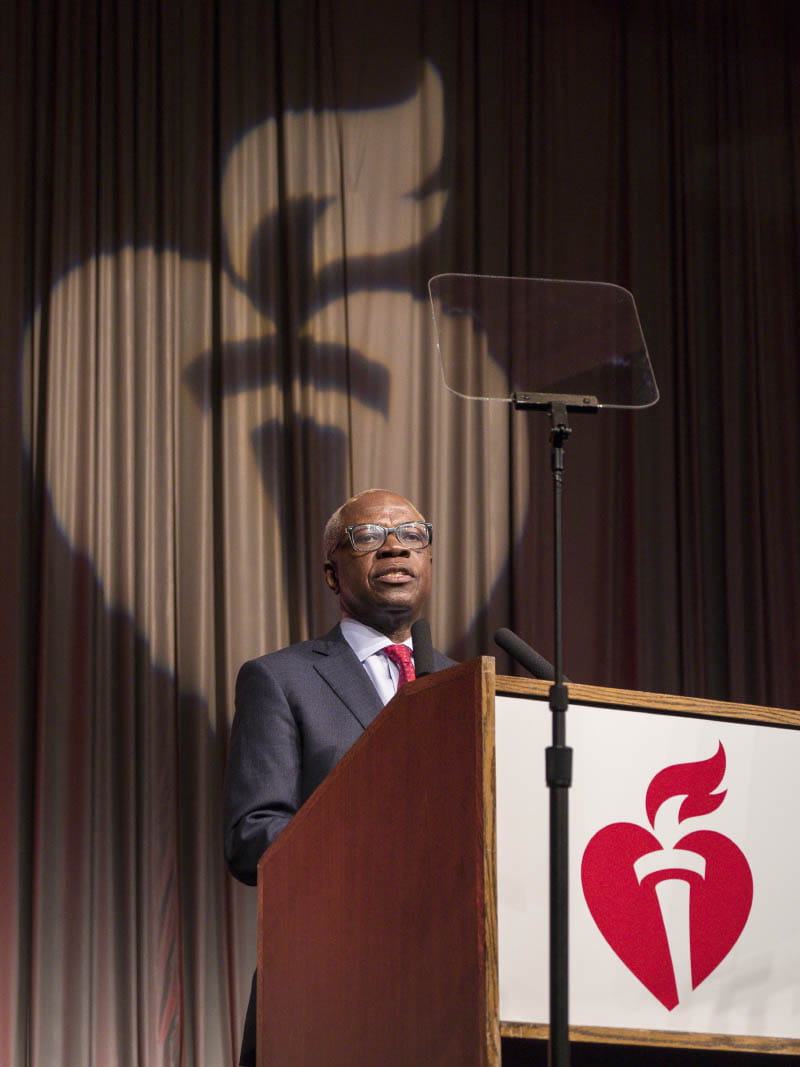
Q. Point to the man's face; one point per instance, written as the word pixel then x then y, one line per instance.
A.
pixel 386 588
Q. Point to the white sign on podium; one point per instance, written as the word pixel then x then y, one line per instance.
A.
pixel 684 871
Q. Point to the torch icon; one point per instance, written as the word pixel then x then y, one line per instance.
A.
pixel 671 904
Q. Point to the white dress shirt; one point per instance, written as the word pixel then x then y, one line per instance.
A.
pixel 367 644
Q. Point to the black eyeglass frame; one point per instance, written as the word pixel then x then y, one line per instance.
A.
pixel 386 531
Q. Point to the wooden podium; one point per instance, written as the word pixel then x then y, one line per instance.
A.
pixel 377 905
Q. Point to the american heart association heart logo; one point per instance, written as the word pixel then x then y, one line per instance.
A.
pixel 630 876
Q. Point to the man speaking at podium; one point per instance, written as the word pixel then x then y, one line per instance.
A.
pixel 300 709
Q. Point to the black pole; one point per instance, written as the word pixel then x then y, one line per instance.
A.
pixel 558 757
pixel 558 763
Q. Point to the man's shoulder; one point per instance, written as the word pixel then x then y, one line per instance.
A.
pixel 300 650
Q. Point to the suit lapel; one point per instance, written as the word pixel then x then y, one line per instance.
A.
pixel 338 665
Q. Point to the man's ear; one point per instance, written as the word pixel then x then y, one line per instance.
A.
pixel 330 576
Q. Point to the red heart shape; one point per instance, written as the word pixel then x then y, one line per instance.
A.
pixel 628 914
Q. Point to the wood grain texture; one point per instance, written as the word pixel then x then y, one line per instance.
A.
pixel 373 902
pixel 487 697
pixel 659 1039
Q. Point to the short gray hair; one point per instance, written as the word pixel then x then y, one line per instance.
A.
pixel 334 531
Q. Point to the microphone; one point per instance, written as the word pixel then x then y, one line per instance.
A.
pixel 528 657
pixel 423 648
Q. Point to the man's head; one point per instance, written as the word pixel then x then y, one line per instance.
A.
pixel 385 587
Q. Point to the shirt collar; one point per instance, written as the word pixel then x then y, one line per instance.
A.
pixel 364 640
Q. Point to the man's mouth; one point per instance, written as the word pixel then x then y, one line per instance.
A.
pixel 395 576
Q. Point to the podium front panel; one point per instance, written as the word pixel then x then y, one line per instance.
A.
pixel 377 941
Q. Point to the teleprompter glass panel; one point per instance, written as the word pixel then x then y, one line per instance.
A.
pixel 500 337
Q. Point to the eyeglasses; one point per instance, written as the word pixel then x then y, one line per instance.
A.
pixel 369 536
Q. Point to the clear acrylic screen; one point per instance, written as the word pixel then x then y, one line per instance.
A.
pixel 500 336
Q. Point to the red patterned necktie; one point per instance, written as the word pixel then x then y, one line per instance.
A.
pixel 401 656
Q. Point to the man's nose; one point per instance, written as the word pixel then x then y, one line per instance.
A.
pixel 392 547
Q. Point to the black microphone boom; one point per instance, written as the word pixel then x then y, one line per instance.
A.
pixel 526 656
pixel 423 648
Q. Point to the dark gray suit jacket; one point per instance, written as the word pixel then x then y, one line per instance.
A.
pixel 297 712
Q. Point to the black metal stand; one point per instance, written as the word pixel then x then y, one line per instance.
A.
pixel 558 757
pixel 558 763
